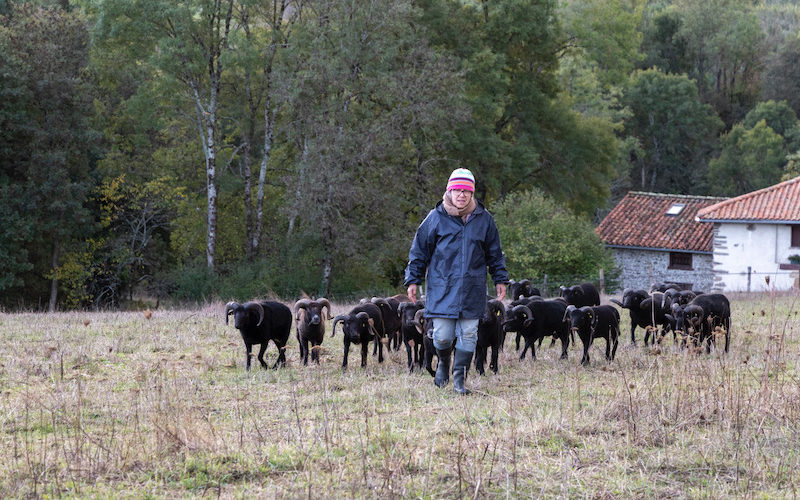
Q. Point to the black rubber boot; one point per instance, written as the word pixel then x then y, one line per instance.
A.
pixel 443 369
pixel 461 364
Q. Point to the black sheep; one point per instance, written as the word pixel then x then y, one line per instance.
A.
pixel 703 314
pixel 310 327
pixel 260 322
pixel 644 311
pixel 522 288
pixel 425 326
pixel 364 323
pixel 389 307
pixel 520 302
pixel 490 334
pixel 585 294
pixel 595 322
pixel 412 333
pixel 536 320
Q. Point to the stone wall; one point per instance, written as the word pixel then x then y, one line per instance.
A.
pixel 641 268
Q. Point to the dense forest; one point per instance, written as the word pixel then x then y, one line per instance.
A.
pixel 239 148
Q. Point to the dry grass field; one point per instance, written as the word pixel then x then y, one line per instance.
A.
pixel 118 405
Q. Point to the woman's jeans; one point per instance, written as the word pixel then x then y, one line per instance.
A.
pixel 464 331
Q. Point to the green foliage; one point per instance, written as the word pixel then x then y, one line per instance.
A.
pixel 47 147
pixel 781 77
pixel 606 30
pixel 792 168
pixel 725 43
pixel 674 129
pixel 781 118
pixel 521 131
pixel 666 49
pixel 750 159
pixel 539 237
pixel 754 153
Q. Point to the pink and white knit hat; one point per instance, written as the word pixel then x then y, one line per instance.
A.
pixel 461 178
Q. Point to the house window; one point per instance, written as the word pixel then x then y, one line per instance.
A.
pixel 796 235
pixel 680 260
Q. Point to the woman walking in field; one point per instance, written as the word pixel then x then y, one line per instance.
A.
pixel 455 244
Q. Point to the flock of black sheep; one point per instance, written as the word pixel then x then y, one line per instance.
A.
pixel 694 318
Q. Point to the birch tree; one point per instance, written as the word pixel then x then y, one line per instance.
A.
pixel 187 43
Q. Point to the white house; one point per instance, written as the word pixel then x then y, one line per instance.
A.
pixel 754 235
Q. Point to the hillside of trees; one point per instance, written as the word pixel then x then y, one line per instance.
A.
pixel 232 149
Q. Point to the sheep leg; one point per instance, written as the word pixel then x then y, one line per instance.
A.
pixel 262 348
pixel 408 353
pixel 565 345
pixel 614 348
pixel 727 325
pixel 480 359
pixel 281 354
pixel 346 352
pixel 525 349
pixel 419 354
pixel 495 353
pixel 587 342
pixel 364 351
pixel 248 354
pixel 303 351
pixel 380 348
pixel 429 352
pixel 519 335
pixel 633 329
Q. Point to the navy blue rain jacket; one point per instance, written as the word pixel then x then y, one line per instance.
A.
pixel 456 256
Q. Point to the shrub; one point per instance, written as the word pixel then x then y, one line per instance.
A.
pixel 539 237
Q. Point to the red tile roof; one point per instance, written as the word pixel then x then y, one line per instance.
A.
pixel 641 220
pixel 778 203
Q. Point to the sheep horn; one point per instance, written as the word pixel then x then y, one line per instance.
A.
pixel 568 310
pixel 258 307
pixel 418 320
pixel 523 309
pixel 300 304
pixel 337 319
pixel 373 331
pixel 323 302
pixel 229 307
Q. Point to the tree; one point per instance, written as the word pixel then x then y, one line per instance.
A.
pixel 663 44
pixel 725 43
pixel 750 159
pixel 522 131
pixel 187 44
pixel 780 118
pixel 606 31
pixel 781 78
pixel 540 237
pixel 47 152
pixel 675 131
pixel 258 94
pixel 366 85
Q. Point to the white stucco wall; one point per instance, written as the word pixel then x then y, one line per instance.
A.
pixel 762 248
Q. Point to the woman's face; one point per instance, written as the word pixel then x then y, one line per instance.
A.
pixel 461 197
